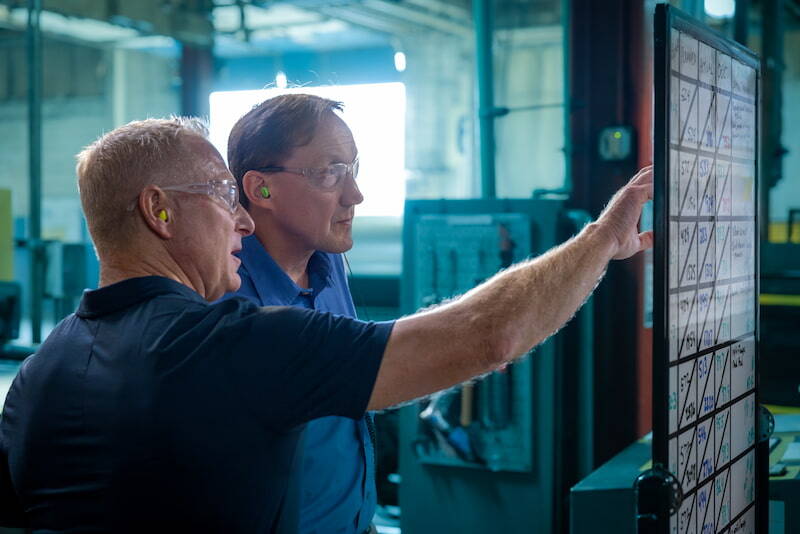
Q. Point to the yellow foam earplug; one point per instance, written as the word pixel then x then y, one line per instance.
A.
pixel 162 215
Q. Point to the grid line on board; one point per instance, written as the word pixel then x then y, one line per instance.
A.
pixel 704 85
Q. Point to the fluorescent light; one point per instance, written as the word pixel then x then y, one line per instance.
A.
pixel 399 61
pixel 721 9
pixel 280 80
pixel 84 29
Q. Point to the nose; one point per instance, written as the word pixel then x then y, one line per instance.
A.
pixel 244 223
pixel 351 194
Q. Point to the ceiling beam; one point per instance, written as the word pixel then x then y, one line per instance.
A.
pixel 388 16
pixel 148 17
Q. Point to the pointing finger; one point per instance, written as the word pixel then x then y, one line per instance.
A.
pixel 646 240
pixel 644 176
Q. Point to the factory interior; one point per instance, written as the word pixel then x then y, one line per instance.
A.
pixel 518 120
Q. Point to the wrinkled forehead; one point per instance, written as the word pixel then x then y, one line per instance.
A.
pixel 200 162
pixel 332 138
pixel 336 130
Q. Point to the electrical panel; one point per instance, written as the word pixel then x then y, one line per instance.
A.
pixel 486 456
pixel 486 423
pixel 450 247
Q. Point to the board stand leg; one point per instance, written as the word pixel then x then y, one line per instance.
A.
pixel 658 496
pixel 766 426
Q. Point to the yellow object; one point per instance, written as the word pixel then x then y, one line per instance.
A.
pixel 779 232
pixel 6 236
pixel 781 410
pixel 766 299
pixel 162 215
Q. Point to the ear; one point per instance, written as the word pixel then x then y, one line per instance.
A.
pixel 152 201
pixel 252 183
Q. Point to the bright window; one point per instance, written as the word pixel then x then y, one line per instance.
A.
pixel 374 112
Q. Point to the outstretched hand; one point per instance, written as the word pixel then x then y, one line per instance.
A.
pixel 621 216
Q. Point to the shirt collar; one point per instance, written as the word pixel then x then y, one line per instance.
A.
pixel 115 297
pixel 271 282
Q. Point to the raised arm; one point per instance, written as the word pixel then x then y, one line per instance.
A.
pixel 506 316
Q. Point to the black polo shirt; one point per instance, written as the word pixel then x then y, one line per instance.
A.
pixel 151 409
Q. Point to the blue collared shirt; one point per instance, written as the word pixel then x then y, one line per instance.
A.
pixel 337 478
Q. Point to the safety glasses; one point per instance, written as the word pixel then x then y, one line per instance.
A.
pixel 225 190
pixel 322 177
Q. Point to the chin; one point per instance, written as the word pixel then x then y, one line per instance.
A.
pixel 230 285
pixel 340 248
pixel 234 283
pixel 338 240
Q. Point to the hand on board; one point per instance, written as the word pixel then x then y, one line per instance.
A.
pixel 621 216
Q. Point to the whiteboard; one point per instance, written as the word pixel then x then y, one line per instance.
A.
pixel 705 351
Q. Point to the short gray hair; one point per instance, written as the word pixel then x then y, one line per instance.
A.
pixel 114 169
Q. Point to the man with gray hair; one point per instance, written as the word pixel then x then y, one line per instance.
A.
pixel 151 409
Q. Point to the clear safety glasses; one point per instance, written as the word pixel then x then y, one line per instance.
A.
pixel 225 190
pixel 322 177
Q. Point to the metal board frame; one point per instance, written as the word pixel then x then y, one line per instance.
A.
pixel 667 20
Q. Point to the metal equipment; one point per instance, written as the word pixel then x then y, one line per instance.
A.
pixel 780 314
pixel 10 304
pixel 6 236
pixel 69 269
pixel 483 457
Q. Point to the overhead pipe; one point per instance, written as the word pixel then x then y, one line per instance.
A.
pixel 772 150
pixel 741 19
pixel 36 250
pixel 484 32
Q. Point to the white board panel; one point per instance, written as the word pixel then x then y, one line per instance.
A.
pixel 710 270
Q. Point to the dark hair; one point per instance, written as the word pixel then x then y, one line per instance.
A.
pixel 267 134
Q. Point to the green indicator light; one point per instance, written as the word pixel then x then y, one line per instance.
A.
pixel 617 135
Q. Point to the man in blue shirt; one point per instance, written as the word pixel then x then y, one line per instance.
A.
pixel 151 410
pixel 302 225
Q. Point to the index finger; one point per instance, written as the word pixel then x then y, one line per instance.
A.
pixel 644 176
